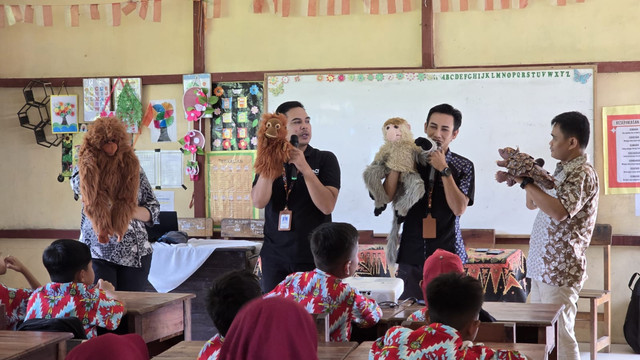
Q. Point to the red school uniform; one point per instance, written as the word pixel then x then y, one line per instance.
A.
pixel 319 292
pixel 15 304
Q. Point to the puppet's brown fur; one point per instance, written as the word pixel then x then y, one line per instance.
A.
pixel 108 184
pixel 273 147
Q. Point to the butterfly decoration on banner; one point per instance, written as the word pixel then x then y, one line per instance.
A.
pixel 581 78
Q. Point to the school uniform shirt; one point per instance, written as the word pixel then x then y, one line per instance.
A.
pixel 418 315
pixel 414 249
pixel 557 251
pixel 434 341
pixel 320 292
pixel 88 303
pixel 211 349
pixel 135 242
pixel 15 304
pixel 293 246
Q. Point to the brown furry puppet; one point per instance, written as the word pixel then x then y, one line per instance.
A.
pixel 109 177
pixel 519 164
pixel 400 153
pixel 273 147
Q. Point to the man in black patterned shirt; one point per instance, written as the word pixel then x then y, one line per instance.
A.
pixel 449 187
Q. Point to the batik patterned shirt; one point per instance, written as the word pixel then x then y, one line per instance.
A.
pixel 434 341
pixel 88 303
pixel 135 242
pixel 418 315
pixel 320 292
pixel 15 304
pixel 557 249
pixel 211 349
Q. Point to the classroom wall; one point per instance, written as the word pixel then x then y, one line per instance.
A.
pixel 241 41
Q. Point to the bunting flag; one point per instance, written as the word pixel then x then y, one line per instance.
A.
pixel 565 2
pixel 213 8
pixel 375 7
pixel 72 16
pixel 144 7
pixel 327 7
pixel 484 5
pixel 129 7
pixel 28 14
pixel 157 10
pixel 259 6
pixel 282 7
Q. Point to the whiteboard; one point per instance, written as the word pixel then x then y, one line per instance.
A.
pixel 502 107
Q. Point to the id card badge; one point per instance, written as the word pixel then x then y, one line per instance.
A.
pixel 284 220
pixel 429 227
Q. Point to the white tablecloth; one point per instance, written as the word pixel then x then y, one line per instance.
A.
pixel 171 265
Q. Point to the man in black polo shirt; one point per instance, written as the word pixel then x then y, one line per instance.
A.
pixel 449 184
pixel 295 207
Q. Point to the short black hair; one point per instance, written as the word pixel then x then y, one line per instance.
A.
pixel 228 294
pixel 64 258
pixel 448 110
pixel 574 124
pixel 286 106
pixel 332 244
pixel 454 299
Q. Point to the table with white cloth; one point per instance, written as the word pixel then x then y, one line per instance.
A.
pixel 191 268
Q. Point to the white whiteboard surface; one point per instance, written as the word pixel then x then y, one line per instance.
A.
pixel 504 107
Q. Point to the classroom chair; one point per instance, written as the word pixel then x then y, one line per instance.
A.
pixel 495 332
pixel 601 237
pixel 322 325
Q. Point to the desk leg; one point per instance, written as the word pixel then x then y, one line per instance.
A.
pixel 62 350
pixel 551 336
pixel 187 320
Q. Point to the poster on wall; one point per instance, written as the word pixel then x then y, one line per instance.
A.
pixel 127 97
pixel 163 124
pixel 96 94
pixel 64 113
pixel 621 147
pixel 236 116
pixel 229 178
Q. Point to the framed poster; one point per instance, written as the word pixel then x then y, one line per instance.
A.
pixel 229 178
pixel 64 113
pixel 621 147
pixel 236 116
pixel 97 94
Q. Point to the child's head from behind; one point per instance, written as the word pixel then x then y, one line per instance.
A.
pixel 335 248
pixel 68 261
pixel 455 300
pixel 440 262
pixel 228 294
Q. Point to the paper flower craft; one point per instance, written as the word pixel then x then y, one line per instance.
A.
pixel 193 142
pixel 197 104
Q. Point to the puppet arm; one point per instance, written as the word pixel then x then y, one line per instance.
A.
pixel 545 202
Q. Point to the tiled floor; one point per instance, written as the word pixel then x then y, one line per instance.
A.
pixel 618 352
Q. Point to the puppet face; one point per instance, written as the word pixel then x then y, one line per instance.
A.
pixel 396 129
pixel 273 126
pixel 393 132
pixel 108 134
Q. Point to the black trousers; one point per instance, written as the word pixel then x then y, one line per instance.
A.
pixel 123 278
pixel 273 272
pixel 411 275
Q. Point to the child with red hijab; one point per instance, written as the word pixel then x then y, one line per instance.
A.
pixel 273 328
pixel 335 252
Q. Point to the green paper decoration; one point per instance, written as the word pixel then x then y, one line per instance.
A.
pixel 129 107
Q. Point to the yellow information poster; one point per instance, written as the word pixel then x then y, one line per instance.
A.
pixel 229 178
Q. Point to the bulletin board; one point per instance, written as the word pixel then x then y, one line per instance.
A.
pixel 229 179
pixel 500 107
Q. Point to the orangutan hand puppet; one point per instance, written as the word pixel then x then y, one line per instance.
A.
pixel 273 147
pixel 109 177
pixel 519 164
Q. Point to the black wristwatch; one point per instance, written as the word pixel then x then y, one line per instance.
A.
pixel 445 172
pixel 526 181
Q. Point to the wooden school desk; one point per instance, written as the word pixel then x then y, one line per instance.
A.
pixel 156 316
pixel 33 345
pixel 189 350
